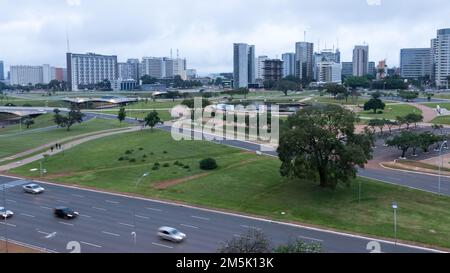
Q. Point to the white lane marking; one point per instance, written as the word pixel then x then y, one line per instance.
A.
pixel 112 202
pixel 77 195
pixel 311 239
pixel 50 235
pixel 27 215
pixel 46 208
pixel 155 244
pixel 42 232
pixel 102 209
pixel 159 210
pixel 67 224
pixel 110 233
pixel 251 227
pixel 8 224
pixel 392 178
pixel 143 217
pixel 125 224
pixel 11 201
pixel 189 226
pixel 201 218
pixel 61 201
pixel 86 216
pixel 89 244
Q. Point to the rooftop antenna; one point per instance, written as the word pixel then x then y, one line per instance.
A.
pixel 171 54
pixel 304 36
pixel 337 43
pixel 68 42
pixel 178 53
pixel 318 45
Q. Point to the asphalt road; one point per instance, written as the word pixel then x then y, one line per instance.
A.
pixel 106 222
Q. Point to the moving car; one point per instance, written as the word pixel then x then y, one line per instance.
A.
pixel 33 189
pixel 171 234
pixel 4 213
pixel 65 212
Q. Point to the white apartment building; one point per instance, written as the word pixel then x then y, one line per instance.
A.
pixel 26 74
pixel 441 58
pixel 260 67
pixel 329 72
pixel 90 68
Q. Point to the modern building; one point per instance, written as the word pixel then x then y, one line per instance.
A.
pixel 382 69
pixel 90 68
pixel 361 60
pixel 162 67
pixel 326 55
pixel 124 85
pixel 48 73
pixel 415 63
pixel 329 72
pixel 2 71
pixel 288 64
pixel 25 75
pixel 273 70
pixel 191 74
pixel 347 69
pixel 372 69
pixel 441 58
pixel 60 74
pixel 259 70
pixel 129 70
pixel 304 60
pixel 176 67
pixel 243 65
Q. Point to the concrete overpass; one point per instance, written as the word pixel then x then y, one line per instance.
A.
pixel 22 111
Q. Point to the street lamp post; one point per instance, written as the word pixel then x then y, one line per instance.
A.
pixel 134 233
pixel 360 189
pixel 395 207
pixel 441 163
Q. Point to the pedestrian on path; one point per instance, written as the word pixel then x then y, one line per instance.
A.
pixel 51 149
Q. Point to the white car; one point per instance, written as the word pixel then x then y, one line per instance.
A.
pixel 4 213
pixel 33 188
pixel 171 234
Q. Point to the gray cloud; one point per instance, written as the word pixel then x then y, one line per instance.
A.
pixel 34 32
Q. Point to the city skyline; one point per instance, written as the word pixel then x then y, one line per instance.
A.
pixel 205 35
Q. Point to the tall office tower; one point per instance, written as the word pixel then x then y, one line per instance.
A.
pixel 129 70
pixel 372 69
pixel 304 60
pixel 260 67
pixel 154 67
pixel 90 68
pixel 273 70
pixel 48 73
pixel 59 74
pixel 326 55
pixel 329 72
pixel 26 74
pixel 2 71
pixel 415 63
pixel 442 58
pixel 433 60
pixel 347 69
pixel 361 61
pixel 243 65
pixel 288 64
pixel 191 73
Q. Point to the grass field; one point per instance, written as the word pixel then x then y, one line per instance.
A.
pixel 248 183
pixel 40 122
pixel 151 105
pixel 164 115
pixel 434 105
pixel 331 100
pixel 392 111
pixel 33 103
pixel 15 143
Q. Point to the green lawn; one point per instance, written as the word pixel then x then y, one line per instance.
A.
pixel 392 111
pixel 434 105
pixel 445 120
pixel 39 122
pixel 33 103
pixel 15 143
pixel 154 105
pixel 164 115
pixel 250 184
pixel 326 99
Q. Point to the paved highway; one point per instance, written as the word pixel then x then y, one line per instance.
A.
pixel 106 223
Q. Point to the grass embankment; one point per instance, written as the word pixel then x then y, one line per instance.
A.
pixel 246 183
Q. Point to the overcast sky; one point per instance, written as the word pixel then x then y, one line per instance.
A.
pixel 34 31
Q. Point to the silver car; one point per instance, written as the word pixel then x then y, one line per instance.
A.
pixel 33 188
pixel 171 234
pixel 4 213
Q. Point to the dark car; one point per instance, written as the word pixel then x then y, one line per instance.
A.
pixel 65 212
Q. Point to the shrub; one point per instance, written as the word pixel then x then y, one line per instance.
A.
pixel 178 163
pixel 132 160
pixel 144 156
pixel 152 153
pixel 166 165
pixel 157 164
pixel 155 168
pixel 121 158
pixel 186 167
pixel 208 164
pixel 141 149
pixel 165 152
pixel 128 152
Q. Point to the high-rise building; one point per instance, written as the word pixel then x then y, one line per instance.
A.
pixel 243 65
pixel 347 69
pixel 2 71
pixel 441 58
pixel 191 73
pixel 288 64
pixel 372 69
pixel 329 72
pixel 60 74
pixel 361 61
pixel 26 74
pixel 260 67
pixel 48 73
pixel 154 67
pixel 304 60
pixel 176 67
pixel 129 70
pixel 415 62
pixel 326 55
pixel 90 68
pixel 273 70
pixel 382 69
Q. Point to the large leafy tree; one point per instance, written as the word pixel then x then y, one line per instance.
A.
pixel 121 115
pixel 403 142
pixel 413 118
pixel 408 95
pixel 374 105
pixel 252 241
pixel 152 119
pixel 337 89
pixel 67 121
pixel 320 143
pixel 28 122
pixel 286 85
